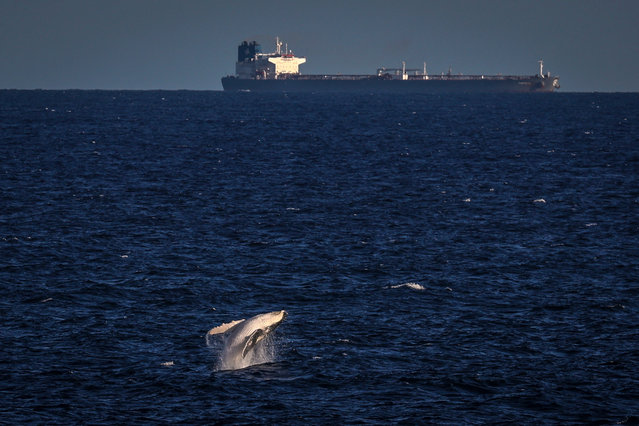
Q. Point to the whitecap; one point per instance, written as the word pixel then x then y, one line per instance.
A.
pixel 411 285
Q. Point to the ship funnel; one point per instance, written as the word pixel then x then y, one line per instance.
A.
pixel 247 51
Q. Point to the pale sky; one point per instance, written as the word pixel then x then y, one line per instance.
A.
pixel 593 45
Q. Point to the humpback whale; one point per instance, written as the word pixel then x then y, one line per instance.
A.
pixel 241 337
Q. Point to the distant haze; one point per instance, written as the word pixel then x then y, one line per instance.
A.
pixel 160 44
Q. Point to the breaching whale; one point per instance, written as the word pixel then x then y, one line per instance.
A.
pixel 241 337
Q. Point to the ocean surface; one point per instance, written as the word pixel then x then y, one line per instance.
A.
pixel 462 259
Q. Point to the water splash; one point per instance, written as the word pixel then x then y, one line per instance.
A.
pixel 230 359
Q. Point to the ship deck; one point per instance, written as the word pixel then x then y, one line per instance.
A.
pixel 445 77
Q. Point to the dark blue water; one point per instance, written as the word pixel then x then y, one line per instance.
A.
pixel 133 222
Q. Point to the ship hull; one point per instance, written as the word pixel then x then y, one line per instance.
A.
pixel 373 85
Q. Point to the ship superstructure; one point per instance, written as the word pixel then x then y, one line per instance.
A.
pixel 253 64
pixel 279 72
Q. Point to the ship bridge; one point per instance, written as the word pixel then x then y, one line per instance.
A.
pixel 252 64
pixel 285 65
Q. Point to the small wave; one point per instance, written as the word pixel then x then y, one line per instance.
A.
pixel 412 286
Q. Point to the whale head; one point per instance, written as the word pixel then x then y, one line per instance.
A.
pixel 272 320
pixel 255 329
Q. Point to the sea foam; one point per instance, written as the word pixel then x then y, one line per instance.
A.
pixel 411 285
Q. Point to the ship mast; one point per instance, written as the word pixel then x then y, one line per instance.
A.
pixel 541 67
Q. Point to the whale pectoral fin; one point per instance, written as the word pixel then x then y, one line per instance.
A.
pixel 221 329
pixel 252 340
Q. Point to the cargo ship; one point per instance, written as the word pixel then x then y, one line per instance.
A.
pixel 278 71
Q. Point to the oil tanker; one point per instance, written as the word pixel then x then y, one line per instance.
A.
pixel 278 71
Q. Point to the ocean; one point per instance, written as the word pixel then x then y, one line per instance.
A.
pixel 464 259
